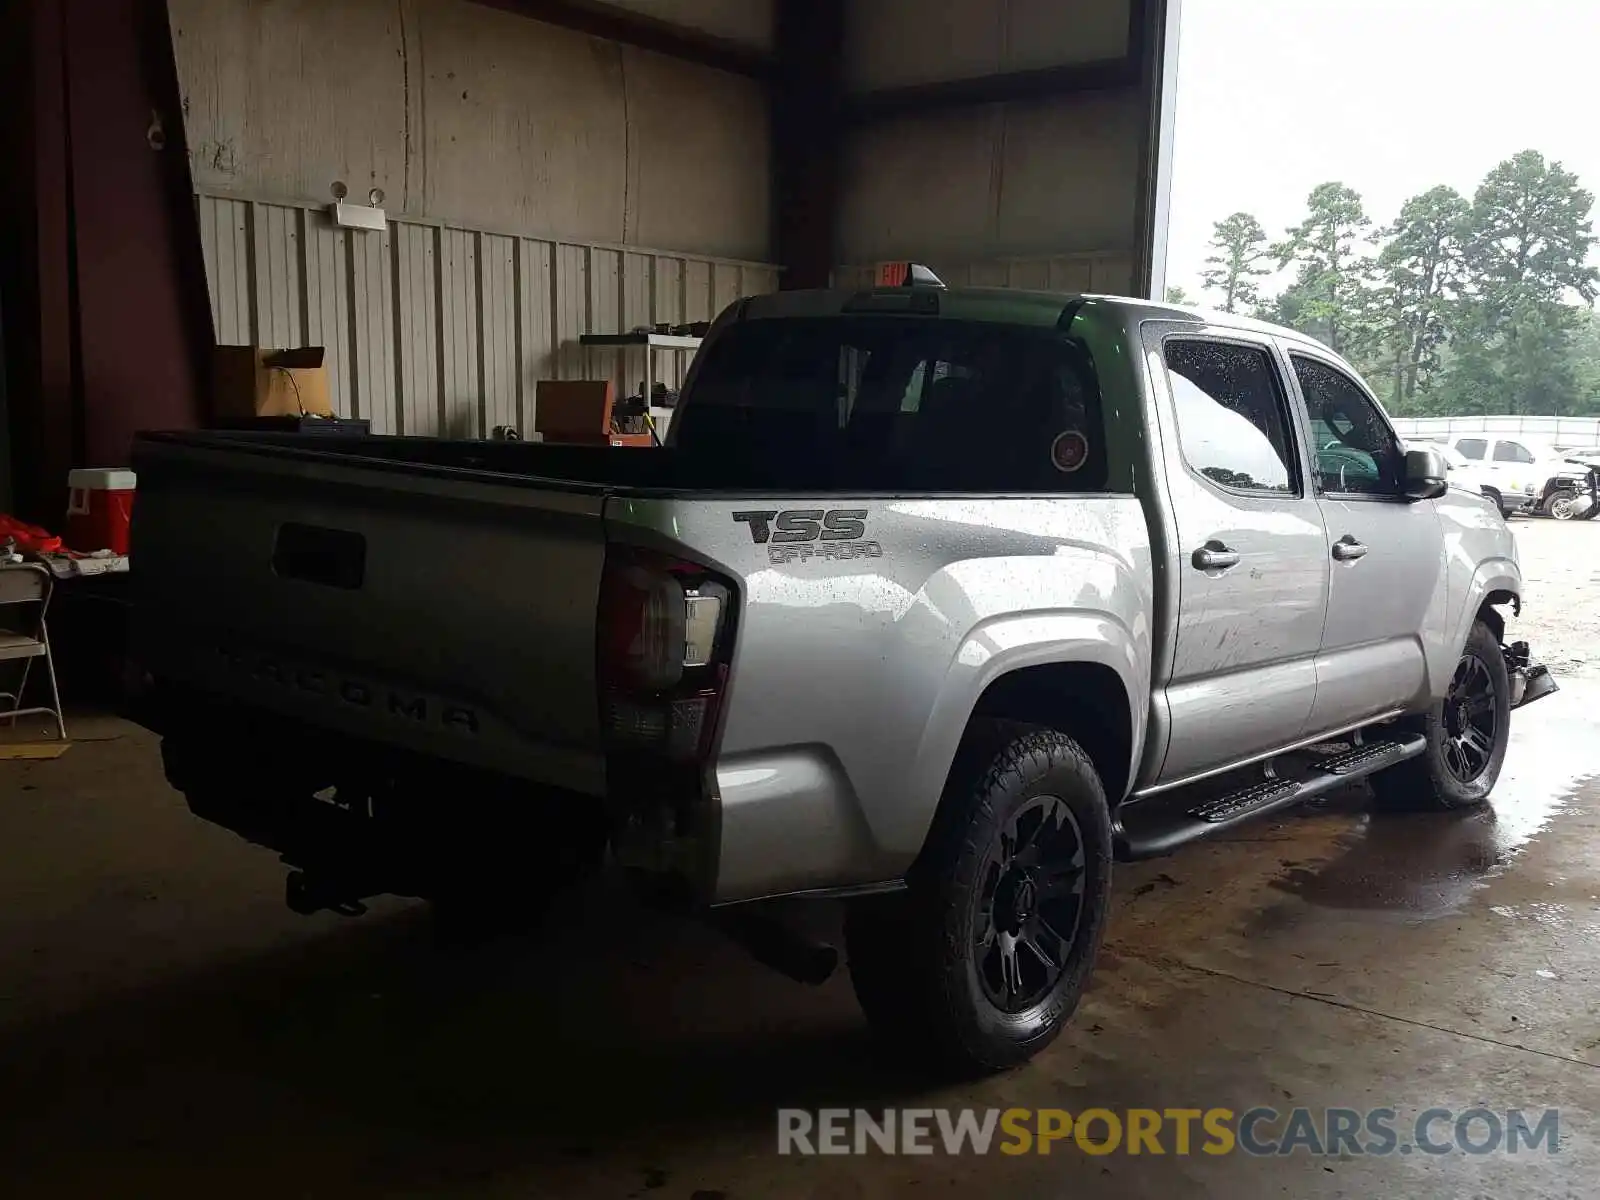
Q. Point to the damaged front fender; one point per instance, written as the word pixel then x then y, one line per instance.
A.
pixel 1530 681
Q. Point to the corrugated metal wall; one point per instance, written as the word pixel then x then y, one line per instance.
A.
pixel 431 329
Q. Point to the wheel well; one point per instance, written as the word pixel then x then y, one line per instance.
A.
pixel 1084 700
pixel 1491 616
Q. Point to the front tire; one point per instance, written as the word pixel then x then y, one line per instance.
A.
pixel 1467 733
pixel 1560 506
pixel 981 961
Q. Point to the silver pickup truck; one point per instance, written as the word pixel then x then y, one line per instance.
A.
pixel 936 601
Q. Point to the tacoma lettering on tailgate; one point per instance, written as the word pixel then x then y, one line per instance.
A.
pixel 411 707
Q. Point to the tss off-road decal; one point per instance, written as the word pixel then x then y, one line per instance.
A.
pixel 800 534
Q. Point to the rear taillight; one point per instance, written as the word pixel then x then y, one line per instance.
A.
pixel 662 653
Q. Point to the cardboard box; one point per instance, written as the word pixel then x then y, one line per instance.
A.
pixel 248 381
pixel 573 410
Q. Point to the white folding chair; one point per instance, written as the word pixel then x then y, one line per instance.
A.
pixel 24 637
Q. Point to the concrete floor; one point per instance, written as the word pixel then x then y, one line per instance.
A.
pixel 166 1027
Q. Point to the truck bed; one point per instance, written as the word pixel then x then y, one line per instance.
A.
pixel 578 467
pixel 430 594
pixel 664 469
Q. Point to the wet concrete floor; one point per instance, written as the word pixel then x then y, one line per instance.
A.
pixel 167 1028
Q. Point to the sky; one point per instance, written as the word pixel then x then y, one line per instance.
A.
pixel 1389 96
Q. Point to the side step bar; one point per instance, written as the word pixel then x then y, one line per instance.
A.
pixel 1153 829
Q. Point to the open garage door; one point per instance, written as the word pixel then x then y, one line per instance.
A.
pixel 1009 143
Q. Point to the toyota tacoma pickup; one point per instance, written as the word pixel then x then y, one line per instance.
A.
pixel 936 601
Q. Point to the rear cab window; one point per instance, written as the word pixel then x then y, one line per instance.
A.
pixel 887 403
pixel 1472 448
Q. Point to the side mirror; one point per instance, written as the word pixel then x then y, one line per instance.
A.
pixel 1426 472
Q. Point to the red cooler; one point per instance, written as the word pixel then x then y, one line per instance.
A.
pixel 99 510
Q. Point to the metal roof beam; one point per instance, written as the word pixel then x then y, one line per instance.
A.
pixel 647 33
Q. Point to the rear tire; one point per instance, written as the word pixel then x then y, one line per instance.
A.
pixel 1467 735
pixel 980 962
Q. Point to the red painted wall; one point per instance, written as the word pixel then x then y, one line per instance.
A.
pixel 35 275
pixel 108 327
pixel 137 351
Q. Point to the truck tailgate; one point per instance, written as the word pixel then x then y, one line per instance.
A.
pixel 450 613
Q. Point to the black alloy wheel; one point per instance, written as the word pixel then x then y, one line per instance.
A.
pixel 978 963
pixel 1467 734
pixel 1029 904
pixel 1470 720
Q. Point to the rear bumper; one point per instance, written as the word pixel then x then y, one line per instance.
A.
pixel 789 822
pixel 752 826
pixel 749 826
pixel 1530 681
pixel 374 818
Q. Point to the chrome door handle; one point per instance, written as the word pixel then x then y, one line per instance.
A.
pixel 1214 556
pixel 1347 549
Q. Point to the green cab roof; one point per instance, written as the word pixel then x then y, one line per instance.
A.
pixel 1006 306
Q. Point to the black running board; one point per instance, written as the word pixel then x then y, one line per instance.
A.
pixel 1151 828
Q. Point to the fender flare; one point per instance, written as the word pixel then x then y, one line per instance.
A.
pixel 1494 575
pixel 1014 642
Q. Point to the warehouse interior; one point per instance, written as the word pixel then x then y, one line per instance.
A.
pixel 545 169
pixel 189 174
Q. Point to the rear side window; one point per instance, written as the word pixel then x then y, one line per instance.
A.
pixel 1511 452
pixel 1233 423
pixel 1472 448
pixel 885 403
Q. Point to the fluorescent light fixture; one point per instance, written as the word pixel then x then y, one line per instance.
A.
pixel 358 216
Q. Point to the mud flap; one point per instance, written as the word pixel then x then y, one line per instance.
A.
pixel 1530 681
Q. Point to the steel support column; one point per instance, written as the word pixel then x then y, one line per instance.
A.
pixel 1153 37
pixel 806 108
